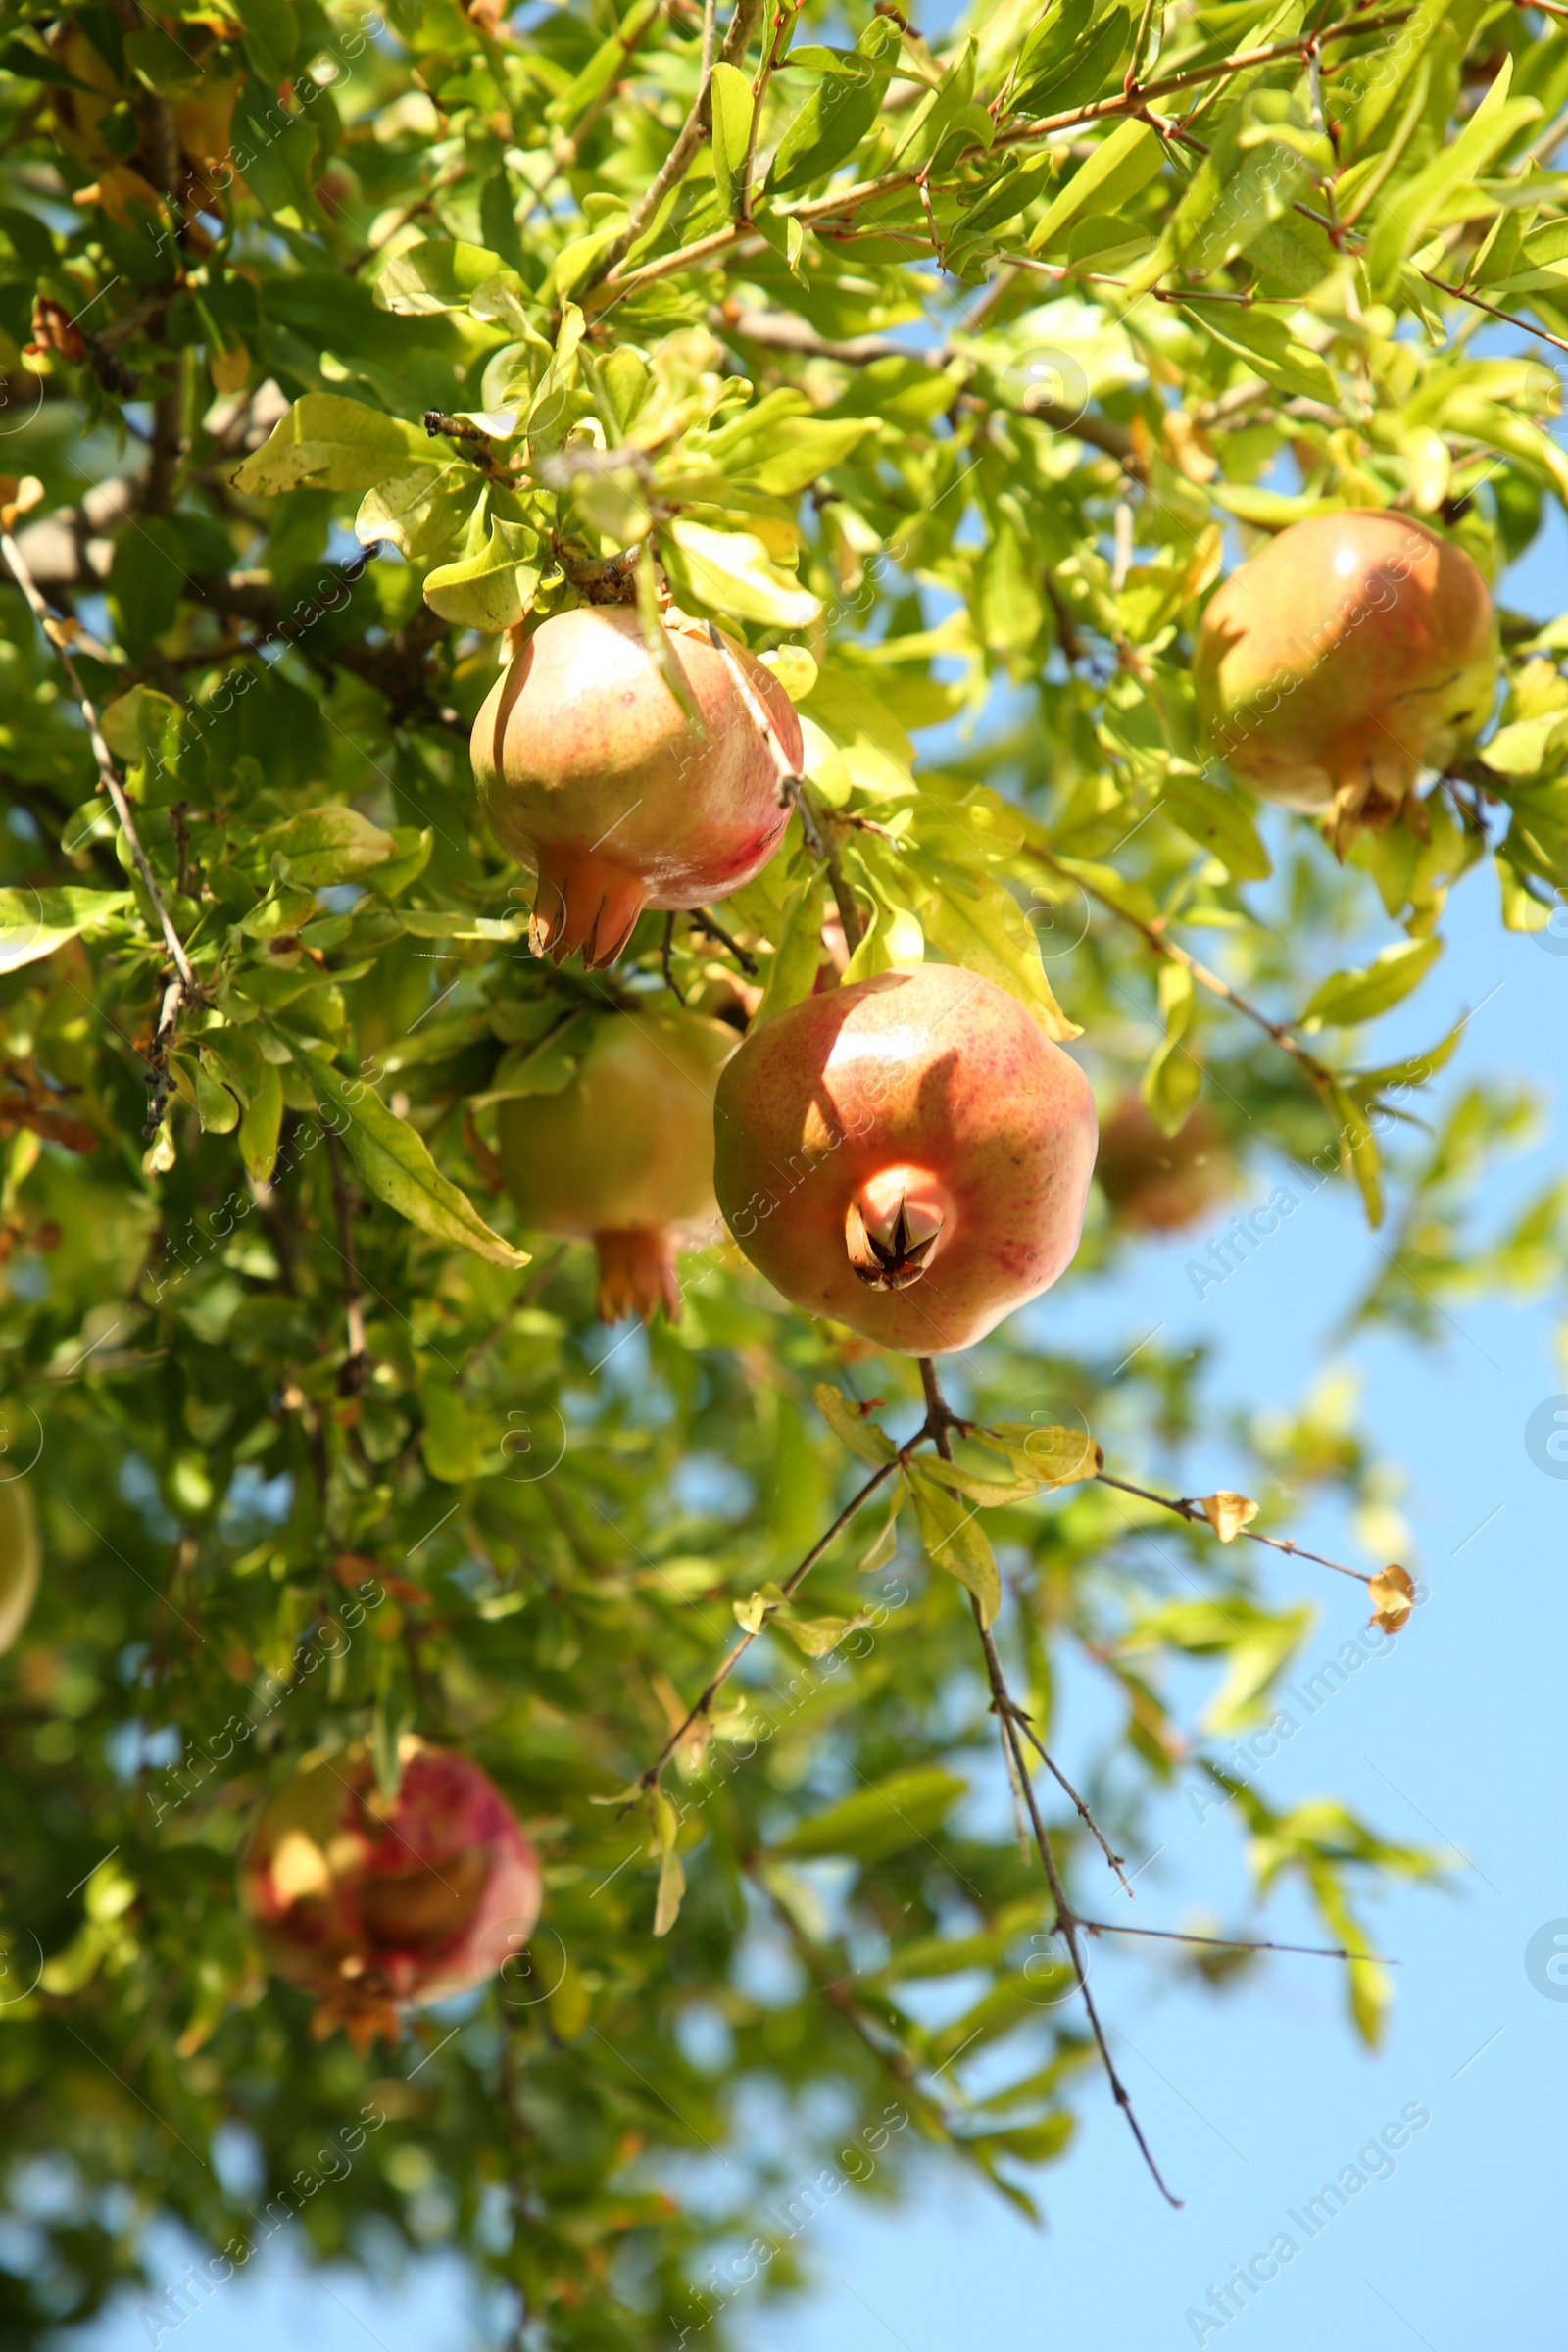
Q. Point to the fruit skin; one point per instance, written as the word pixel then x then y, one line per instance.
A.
pixel 381 1907
pixel 623 1156
pixel 589 769
pixel 1158 1182
pixel 929 1088
pixel 20 1559
pixel 1350 652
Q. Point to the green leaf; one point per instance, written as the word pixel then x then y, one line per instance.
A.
pixel 1118 169
pixel 989 1492
pixel 454 1445
pixel 732 574
pixel 732 129
pixel 1084 75
pixel 426 279
pixel 1404 221
pixel 325 845
pixel 34 922
pixel 1174 1078
pixel 395 1162
pixel 1347 997
pixel 798 949
pixel 898 1812
pixel 864 1437
pixel 972 920
pixel 1358 1151
pixel 1049 1454
pixel 271 36
pixel 800 450
pixel 258 1125
pixel 1216 820
pixel 1269 348
pixel 955 1539
pixel 327 443
pixel 818 1637
pixel 839 112
pixel 492 590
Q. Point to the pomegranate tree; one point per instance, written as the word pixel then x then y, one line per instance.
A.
pixel 590 772
pixel 1157 1183
pixel 382 1904
pixel 1353 651
pixel 623 1156
pixel 909 1156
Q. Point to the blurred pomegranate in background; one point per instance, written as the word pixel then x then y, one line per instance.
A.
pixel 1157 1183
pixel 383 1904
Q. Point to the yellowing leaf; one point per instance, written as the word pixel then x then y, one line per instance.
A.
pixel 325 443
pixel 1051 1456
pixel 731 573
pixel 955 1539
pixel 849 1426
pixel 1392 1597
pixel 1227 1514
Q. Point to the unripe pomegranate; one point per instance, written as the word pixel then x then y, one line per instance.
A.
pixel 1157 1183
pixel 623 1156
pixel 1354 651
pixel 589 769
pixel 909 1156
pixel 381 1905
pixel 20 1559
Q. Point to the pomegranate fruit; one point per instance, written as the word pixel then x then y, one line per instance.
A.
pixel 908 1156
pixel 623 1156
pixel 1353 651
pixel 1157 1183
pixel 589 771
pixel 381 1905
pixel 20 1559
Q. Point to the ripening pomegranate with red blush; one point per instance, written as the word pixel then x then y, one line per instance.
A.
pixel 1353 651
pixel 909 1156
pixel 590 772
pixel 381 1905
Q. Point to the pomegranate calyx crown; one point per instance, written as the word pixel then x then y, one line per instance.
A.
pixel 890 1250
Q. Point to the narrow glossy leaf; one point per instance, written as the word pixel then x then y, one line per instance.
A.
pixel 900 1811
pixel 1348 997
pixel 732 126
pixel 395 1162
pixel 1107 182
pixel 798 950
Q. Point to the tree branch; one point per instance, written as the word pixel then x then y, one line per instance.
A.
pixel 692 133
pixel 1321 1076
pixel 184 987
pixel 1068 1923
pixel 1185 1507
pixel 843 203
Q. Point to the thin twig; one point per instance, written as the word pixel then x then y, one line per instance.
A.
pixel 841 203
pixel 706 1697
pixel 1319 1072
pixel 693 130
pixel 1068 1923
pixel 716 930
pixel 184 987
pixel 1187 1507
pixel 1509 318
pixel 1233 1943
